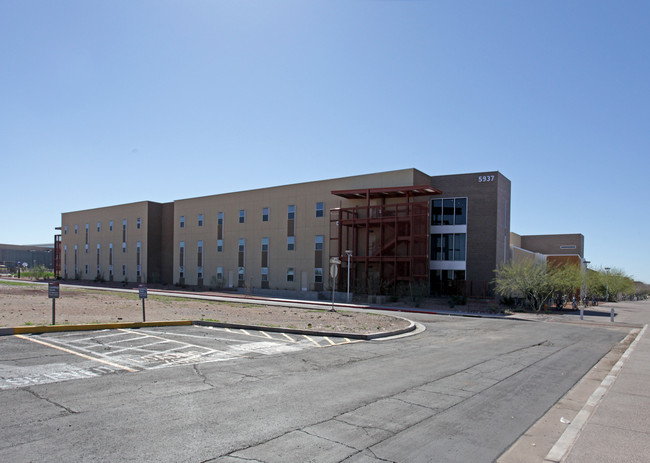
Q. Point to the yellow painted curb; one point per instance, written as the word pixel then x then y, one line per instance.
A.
pixel 95 326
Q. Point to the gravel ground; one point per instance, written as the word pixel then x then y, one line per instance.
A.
pixel 26 304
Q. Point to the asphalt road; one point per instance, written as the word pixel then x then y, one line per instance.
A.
pixel 463 390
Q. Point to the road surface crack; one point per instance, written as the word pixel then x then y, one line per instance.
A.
pixel 204 378
pixel 45 399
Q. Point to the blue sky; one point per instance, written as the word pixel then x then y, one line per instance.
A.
pixel 109 102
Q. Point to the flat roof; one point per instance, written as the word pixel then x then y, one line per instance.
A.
pixel 388 192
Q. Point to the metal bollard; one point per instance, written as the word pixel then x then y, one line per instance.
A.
pixel 582 313
pixel 612 315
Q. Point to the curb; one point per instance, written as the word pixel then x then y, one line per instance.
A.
pixel 89 327
pixel 366 337
pixel 109 326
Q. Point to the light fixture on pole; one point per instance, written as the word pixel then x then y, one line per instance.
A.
pixel 349 254
pixel 586 279
pixel 607 269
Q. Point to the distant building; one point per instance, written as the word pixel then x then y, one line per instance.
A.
pixel 551 249
pixel 445 233
pixel 12 255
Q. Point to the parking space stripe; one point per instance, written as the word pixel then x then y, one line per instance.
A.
pixel 310 339
pixel 288 337
pixel 329 340
pixel 53 346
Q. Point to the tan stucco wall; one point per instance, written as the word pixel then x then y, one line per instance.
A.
pixel 303 196
pixel 554 244
pixel 130 212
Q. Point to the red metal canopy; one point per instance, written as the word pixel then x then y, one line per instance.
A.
pixel 388 192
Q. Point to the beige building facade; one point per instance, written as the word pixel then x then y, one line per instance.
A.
pixel 557 249
pixel 126 243
pixel 447 233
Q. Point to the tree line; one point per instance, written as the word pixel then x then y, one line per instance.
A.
pixel 539 284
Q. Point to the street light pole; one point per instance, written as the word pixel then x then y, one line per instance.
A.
pixel 349 254
pixel 586 280
pixel 607 269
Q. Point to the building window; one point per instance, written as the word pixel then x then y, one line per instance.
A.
pixel 265 252
pixel 199 259
pixel 86 268
pixel 110 255
pixel 76 228
pixel 320 209
pixel 99 227
pixel 319 243
pixel 86 249
pixel 448 246
pixel 200 221
pixel 65 230
pixel 219 231
pixel 265 214
pixel 241 255
pixel 182 224
pixel 138 223
pixel 290 274
pixel 450 211
pixel 242 216
pixel 291 213
pixel 99 257
pixel 291 243
pixel 124 231
pixel 123 247
pixel 318 275
pixel 123 270
pixel 87 232
pixel 138 258
pixel 240 274
pixel 181 259
pixel 220 273
pixel 110 226
pixel 265 274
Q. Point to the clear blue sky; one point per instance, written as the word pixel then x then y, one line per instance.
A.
pixel 109 102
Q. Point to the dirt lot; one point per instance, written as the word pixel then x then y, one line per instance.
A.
pixel 24 304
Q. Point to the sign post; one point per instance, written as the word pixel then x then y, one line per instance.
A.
pixel 142 292
pixel 334 272
pixel 53 293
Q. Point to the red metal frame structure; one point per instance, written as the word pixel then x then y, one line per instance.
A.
pixel 389 242
pixel 57 256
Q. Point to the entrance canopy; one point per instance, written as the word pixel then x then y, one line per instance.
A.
pixel 388 192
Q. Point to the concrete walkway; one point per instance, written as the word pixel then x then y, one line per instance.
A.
pixel 618 428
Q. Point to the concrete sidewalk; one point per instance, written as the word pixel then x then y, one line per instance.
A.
pixel 618 428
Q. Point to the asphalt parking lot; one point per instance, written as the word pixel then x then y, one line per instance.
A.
pixel 76 355
pixel 463 390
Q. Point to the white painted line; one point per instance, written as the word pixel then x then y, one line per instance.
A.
pixel 568 439
pixel 289 337
pixel 199 337
pixel 266 334
pixel 38 341
pixel 329 340
pixel 310 339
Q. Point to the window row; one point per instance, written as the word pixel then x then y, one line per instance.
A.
pixel 138 225
pixel 451 211
pixel 291 245
pixel 266 214
pixel 264 274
